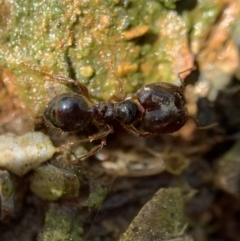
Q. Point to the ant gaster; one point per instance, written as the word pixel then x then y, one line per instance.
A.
pixel 155 109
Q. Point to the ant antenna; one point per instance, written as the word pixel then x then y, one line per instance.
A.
pixel 210 126
pixel 62 79
pixel 194 120
pixel 181 72
pixel 120 82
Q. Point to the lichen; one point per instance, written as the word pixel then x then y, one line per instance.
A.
pixel 81 39
pixel 161 218
pixel 61 225
pixel 96 197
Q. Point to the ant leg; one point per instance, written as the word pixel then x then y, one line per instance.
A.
pixel 199 127
pixel 140 107
pixel 62 79
pixel 131 129
pixel 100 135
pixel 120 86
pixel 194 120
pixel 82 87
pixel 97 136
pixel 115 98
pixel 210 126
pixel 69 144
pixel 94 150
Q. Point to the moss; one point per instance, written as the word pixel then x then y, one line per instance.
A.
pixel 200 20
pixel 96 197
pixel 162 218
pixel 171 4
pixel 7 185
pixel 51 183
pixel 80 39
pixel 61 225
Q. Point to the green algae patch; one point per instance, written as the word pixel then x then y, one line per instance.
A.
pixel 171 4
pixel 80 39
pixel 162 218
pixel 61 225
pixel 96 197
pixel 200 20
pixel 144 41
pixel 7 194
pixel 51 183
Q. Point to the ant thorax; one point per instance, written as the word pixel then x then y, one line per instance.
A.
pixel 125 112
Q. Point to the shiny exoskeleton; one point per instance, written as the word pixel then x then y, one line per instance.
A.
pixel 164 108
pixel 154 109
pixel 72 112
pixel 158 107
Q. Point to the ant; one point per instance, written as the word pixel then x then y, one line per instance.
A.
pixel 155 109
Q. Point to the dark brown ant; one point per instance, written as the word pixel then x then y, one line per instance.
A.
pixel 155 109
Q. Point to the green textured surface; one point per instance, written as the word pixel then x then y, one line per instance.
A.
pixel 61 225
pixel 162 218
pixel 81 38
pixel 51 183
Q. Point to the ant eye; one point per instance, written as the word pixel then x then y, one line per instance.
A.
pixel 68 112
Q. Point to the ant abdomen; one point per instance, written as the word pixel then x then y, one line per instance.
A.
pixel 68 112
pixel 164 105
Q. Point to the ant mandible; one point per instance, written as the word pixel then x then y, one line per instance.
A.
pixel 157 108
